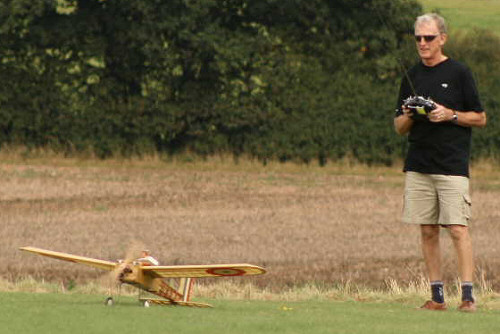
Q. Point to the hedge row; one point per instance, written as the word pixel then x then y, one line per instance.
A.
pixel 288 80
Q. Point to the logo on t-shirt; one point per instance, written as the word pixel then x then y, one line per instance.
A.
pixel 444 85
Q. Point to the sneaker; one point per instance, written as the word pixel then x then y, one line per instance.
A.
pixel 433 306
pixel 467 306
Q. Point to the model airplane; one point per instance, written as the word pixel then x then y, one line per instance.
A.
pixel 144 275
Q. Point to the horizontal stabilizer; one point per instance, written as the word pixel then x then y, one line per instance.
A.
pixel 170 302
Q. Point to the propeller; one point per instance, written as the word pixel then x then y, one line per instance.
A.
pixel 113 279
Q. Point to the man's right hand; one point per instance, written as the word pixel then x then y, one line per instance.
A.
pixel 404 122
pixel 406 111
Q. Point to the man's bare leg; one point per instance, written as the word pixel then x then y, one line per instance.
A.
pixel 431 251
pixel 432 256
pixel 463 246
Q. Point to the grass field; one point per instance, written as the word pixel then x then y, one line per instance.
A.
pixel 333 226
pixel 468 14
pixel 62 313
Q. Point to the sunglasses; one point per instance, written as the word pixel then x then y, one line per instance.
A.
pixel 427 38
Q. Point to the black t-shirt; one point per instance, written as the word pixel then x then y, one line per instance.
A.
pixel 440 148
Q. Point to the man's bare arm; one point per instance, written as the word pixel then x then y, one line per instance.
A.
pixel 463 118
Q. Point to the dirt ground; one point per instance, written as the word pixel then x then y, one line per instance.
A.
pixel 304 224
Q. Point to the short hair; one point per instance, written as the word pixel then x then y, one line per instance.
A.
pixel 429 17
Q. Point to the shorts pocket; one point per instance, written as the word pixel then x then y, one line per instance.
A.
pixel 467 206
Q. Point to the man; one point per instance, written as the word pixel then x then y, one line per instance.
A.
pixel 437 163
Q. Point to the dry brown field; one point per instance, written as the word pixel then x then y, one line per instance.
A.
pixel 305 224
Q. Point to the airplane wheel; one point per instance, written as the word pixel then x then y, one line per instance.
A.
pixel 109 301
pixel 146 304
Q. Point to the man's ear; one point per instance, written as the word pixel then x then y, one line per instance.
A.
pixel 442 39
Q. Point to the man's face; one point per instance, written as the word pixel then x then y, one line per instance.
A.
pixel 429 50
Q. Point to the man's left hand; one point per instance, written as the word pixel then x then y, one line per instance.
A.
pixel 440 114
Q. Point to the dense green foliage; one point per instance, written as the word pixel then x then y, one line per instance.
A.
pixel 288 80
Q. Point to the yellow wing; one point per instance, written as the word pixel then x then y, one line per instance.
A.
pixel 101 264
pixel 212 270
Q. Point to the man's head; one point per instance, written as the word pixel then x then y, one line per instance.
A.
pixel 430 36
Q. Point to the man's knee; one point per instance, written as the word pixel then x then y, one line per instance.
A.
pixel 459 232
pixel 429 233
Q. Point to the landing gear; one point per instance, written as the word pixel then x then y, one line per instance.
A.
pixel 109 301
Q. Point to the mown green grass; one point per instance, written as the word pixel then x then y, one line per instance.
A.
pixel 72 313
pixel 467 14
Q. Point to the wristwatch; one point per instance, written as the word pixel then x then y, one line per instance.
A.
pixel 454 118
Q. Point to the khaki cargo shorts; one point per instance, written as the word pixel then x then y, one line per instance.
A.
pixel 436 199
